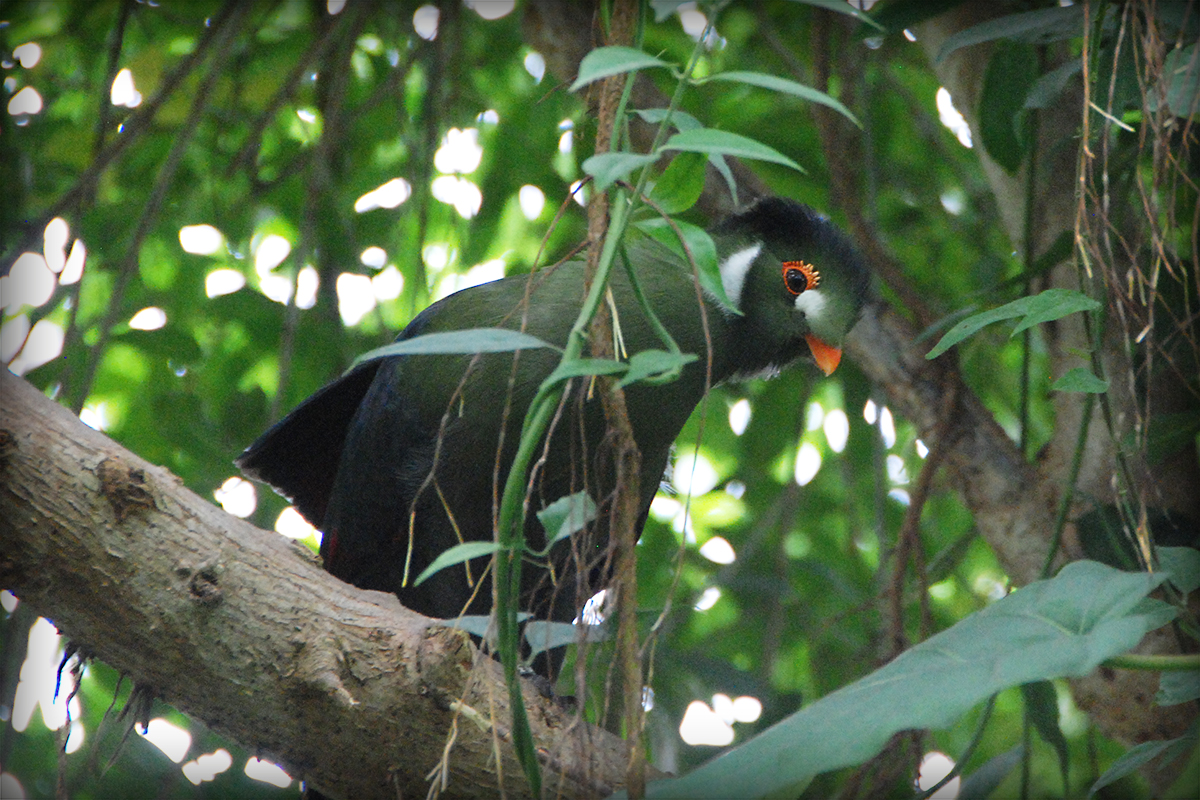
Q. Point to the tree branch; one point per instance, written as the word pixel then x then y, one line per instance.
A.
pixel 243 629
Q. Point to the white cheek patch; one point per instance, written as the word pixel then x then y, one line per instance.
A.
pixel 811 303
pixel 734 270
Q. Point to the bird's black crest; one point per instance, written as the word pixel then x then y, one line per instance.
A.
pixel 786 225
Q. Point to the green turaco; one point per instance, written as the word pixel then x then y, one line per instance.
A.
pixel 403 457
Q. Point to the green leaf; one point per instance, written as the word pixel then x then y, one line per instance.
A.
pixel 464 342
pixel 1065 626
pixel 608 168
pixel 1168 434
pixel 900 14
pixel 1178 687
pixel 1058 251
pixel 604 62
pixel 699 243
pixel 566 515
pixel 665 8
pixel 680 185
pixel 722 167
pixel 1080 379
pixel 842 8
pixel 1182 564
pixel 686 122
pixel 709 140
pixel 542 635
pixel 581 367
pixel 475 624
pixel 1145 752
pixel 1049 305
pixel 983 781
pixel 1047 89
pixel 681 120
pixel 655 362
pixel 1037 27
pixel 456 555
pixel 1041 703
pixel 1003 123
pixel 1181 74
pixel 765 81
pixel 1102 535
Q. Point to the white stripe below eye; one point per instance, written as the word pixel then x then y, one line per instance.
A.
pixel 811 303
pixel 734 270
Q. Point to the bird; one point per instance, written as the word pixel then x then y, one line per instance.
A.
pixel 403 457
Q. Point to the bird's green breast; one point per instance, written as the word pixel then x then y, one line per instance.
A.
pixel 469 411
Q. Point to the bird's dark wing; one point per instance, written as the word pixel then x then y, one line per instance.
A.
pixel 299 455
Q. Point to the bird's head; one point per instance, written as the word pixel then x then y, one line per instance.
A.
pixel 795 278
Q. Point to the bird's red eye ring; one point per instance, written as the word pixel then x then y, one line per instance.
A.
pixel 800 276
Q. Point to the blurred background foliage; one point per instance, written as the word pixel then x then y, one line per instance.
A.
pixel 258 192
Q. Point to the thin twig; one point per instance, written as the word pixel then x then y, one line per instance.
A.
pixel 162 184
pixel 131 130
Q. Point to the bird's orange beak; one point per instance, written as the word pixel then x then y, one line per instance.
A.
pixel 827 356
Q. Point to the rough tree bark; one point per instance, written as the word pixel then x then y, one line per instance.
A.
pixel 242 629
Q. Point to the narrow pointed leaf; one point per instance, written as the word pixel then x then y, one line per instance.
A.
pixel 566 515
pixel 702 247
pixel 655 362
pixel 1142 754
pixel 1049 87
pixel 604 62
pixel 1003 124
pixel 1181 74
pixel 1080 379
pixel 465 342
pixel 842 8
pixel 972 325
pixel 1038 27
pixel 1052 304
pixel 608 168
pixel 1041 703
pixel 542 635
pixel 684 121
pixel 456 555
pixel 584 367
pixel 681 120
pixel 1049 305
pixel 786 86
pixel 897 15
pixel 477 624
pixel 983 781
pixel 709 140
pixel 474 624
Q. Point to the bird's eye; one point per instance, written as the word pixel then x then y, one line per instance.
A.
pixel 800 276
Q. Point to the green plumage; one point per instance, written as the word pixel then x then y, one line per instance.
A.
pixel 404 456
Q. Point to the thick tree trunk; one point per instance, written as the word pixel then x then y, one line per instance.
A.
pixel 242 629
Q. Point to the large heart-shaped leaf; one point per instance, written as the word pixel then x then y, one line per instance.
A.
pixel 1065 626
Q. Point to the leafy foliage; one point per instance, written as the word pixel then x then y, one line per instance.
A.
pixel 349 168
pixel 1056 628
